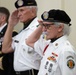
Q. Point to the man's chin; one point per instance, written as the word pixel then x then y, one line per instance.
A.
pixel 21 21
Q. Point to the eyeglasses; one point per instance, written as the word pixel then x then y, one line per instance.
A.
pixel 47 26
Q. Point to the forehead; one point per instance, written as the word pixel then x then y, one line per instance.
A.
pixel 1 13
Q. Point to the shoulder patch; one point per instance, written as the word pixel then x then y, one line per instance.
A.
pixel 70 64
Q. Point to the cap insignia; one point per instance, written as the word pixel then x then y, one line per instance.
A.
pixel 20 3
pixel 45 15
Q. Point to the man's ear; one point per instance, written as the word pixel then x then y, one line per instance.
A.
pixel 61 27
pixel 3 18
pixel 33 11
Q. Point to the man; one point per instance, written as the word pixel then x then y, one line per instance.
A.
pixel 26 60
pixel 6 60
pixel 59 56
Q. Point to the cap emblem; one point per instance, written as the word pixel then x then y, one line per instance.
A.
pixel 45 15
pixel 20 2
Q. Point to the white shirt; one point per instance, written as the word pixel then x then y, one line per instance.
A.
pixel 25 57
pixel 58 59
pixel 2 27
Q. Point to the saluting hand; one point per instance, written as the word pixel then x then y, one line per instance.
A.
pixel 13 20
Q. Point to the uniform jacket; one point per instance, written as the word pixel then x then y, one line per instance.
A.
pixel 25 57
pixel 59 57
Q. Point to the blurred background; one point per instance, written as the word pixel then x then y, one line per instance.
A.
pixel 45 5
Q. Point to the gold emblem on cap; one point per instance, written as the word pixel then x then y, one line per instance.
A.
pixel 20 2
pixel 30 3
pixel 45 15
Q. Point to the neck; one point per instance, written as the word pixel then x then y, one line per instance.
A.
pixel 27 24
pixel 54 39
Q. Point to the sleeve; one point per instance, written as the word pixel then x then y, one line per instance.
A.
pixel 40 45
pixel 67 63
pixel 14 35
pixel 13 45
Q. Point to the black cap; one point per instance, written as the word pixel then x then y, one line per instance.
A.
pixel 56 16
pixel 21 3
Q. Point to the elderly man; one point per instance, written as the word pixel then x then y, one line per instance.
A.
pixel 59 56
pixel 26 60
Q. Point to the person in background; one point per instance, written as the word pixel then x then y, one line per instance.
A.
pixel 59 56
pixel 26 60
pixel 6 60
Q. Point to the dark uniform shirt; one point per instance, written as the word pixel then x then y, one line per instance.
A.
pixel 6 59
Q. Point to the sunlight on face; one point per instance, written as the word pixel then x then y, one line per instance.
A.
pixel 24 14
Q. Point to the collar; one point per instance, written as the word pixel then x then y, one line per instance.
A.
pixel 28 23
pixel 34 23
pixel 59 41
pixel 3 26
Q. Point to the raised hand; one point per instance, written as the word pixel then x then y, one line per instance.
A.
pixel 13 20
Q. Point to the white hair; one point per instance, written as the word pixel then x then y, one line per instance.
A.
pixel 35 7
pixel 66 29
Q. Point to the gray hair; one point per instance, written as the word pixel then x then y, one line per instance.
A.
pixel 66 29
pixel 35 7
